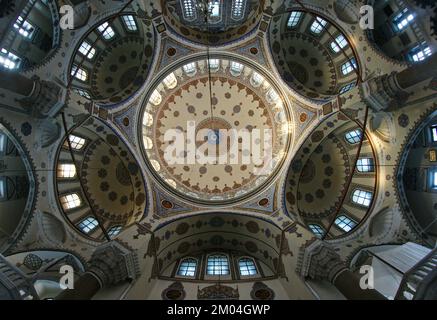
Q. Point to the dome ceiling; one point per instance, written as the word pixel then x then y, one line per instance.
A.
pixel 318 176
pixel 113 59
pixel 243 100
pixel 110 175
pixel 229 20
pixel 308 58
pixel 17 189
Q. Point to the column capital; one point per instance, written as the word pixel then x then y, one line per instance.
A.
pixel 383 92
pixel 44 97
pixel 113 263
pixel 321 262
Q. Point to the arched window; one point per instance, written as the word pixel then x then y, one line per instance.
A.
pixel 247 267
pixel 170 81
pixel 238 7
pixel 345 223
pixel 347 87
pixel 106 30
pixel 365 165
pixel 66 170
pixel 420 53
pixel 155 98
pixel 130 23
pixel 187 267
pixel 24 27
pixel 87 50
pixel 362 197
pixel 88 224
pixel 9 60
pixel 339 43
pixel 77 143
pixel 318 25
pixel 353 136
pixel 294 19
pixel 217 265
pixel 256 79
pixel 317 230
pixel 114 231
pixel 70 201
pixel 190 68
pixel 348 66
pixel 214 64
pixel 79 73
pixel 189 10
pixel 236 68
pixel 403 19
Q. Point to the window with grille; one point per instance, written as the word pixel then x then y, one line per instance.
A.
pixel 318 25
pixel 130 23
pixel 77 143
pixel 214 8
pixel 347 88
pixel 70 201
pixel 217 265
pixel 187 267
pixel 79 73
pixel 294 19
pixel 189 68
pixel 236 67
pixel 317 230
pixel 403 19
pixel 339 43
pixel 189 9
pixel 114 231
pixel 353 136
pixel 420 53
pixel 345 223
pixel 88 224
pixel 87 50
pixel 237 10
pixel 9 60
pixel 362 197
pixel 66 170
pixel 257 79
pixel 365 165
pixel 349 66
pixel 155 98
pixel 170 81
pixel 23 27
pixel 247 267
pixel 106 31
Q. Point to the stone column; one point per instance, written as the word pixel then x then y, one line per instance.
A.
pixel 322 263
pixel 418 73
pixel 39 97
pixel 110 264
pixel 389 91
pixel 17 83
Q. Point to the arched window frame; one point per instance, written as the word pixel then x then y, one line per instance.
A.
pixel 188 268
pixel 361 197
pixel 249 268
pixel 209 275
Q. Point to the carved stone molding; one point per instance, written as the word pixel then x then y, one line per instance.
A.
pixel 113 263
pixel 383 92
pixel 321 262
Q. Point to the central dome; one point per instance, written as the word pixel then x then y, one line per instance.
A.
pixel 215 146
